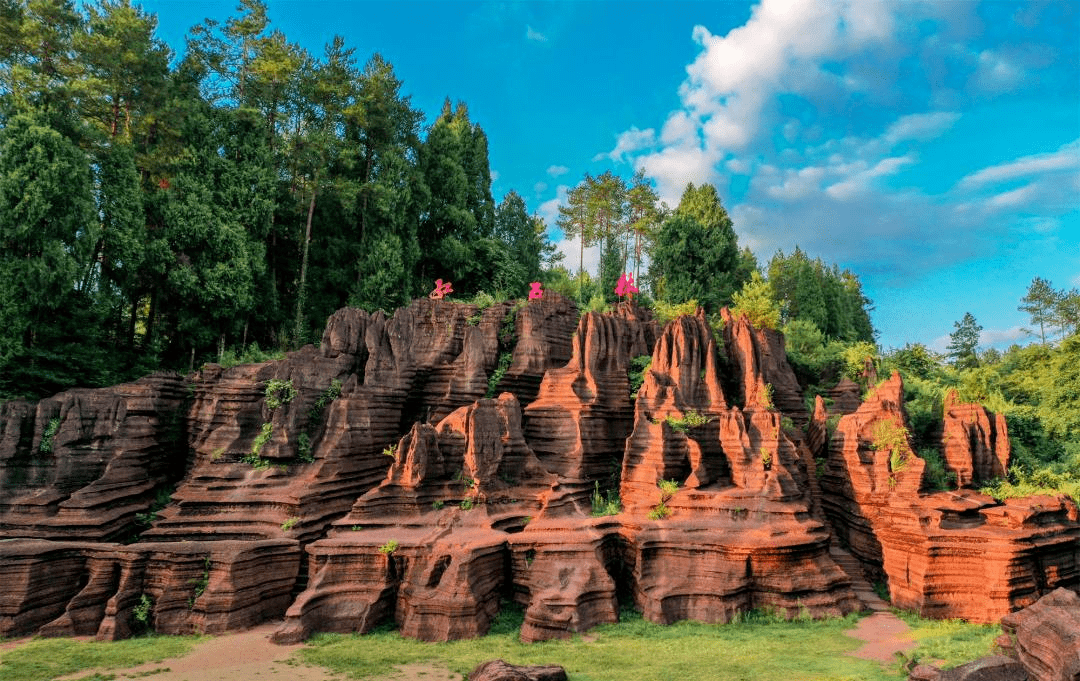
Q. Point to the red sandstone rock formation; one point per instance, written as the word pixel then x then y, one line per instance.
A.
pixel 61 588
pixel 109 451
pixel 578 424
pixel 767 378
pixel 497 670
pixel 543 328
pixel 415 499
pixel 1047 636
pixel 945 554
pixel 738 533
pixel 974 442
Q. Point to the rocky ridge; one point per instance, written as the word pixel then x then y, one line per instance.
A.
pixel 370 479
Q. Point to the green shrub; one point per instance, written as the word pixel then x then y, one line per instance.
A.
pixel 143 613
pixel 889 436
pixel 505 360
pixel 389 547
pixel 261 439
pixel 482 300
pixel 46 445
pixel 391 451
pixel 597 304
pixel 606 503
pixel 279 393
pixel 250 355
pixel 767 398
pixel 200 584
pixel 937 477
pixel 665 311
pixel 289 523
pixel 691 419
pixel 659 512
pixel 638 367
pixel 668 488
pixel 1041 481
pixel 438 504
pixel 466 504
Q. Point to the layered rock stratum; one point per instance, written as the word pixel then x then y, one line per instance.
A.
pixel 428 466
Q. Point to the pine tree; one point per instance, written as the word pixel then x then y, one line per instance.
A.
pixel 964 342
pixel 1040 303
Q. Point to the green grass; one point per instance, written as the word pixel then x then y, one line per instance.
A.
pixel 758 648
pixel 46 659
pixel 951 641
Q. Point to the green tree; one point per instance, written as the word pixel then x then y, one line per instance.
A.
pixel 1041 304
pixel 964 342
pixel 125 68
pixel 755 300
pixel 696 253
pixel 1067 311
pixel 645 214
pixel 573 219
pixel 46 234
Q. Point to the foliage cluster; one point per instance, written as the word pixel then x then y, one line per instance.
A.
pixel 505 359
pixel 691 419
pixel 639 366
pixel 279 393
pixel 605 503
pixel 47 436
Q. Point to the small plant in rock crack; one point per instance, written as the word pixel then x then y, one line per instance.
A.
pixel 389 547
pixel 279 393
pixel 466 504
pixel 659 512
pixel 766 459
pixel 668 488
pixel 289 523
pixel 200 583
pixel 46 445
pixel 438 504
pixel 391 451
pixel 143 612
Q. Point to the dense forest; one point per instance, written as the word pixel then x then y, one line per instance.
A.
pixel 160 211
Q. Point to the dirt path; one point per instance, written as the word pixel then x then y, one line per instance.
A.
pixel 883 633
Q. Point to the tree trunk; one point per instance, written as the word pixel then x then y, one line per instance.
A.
pixel 303 262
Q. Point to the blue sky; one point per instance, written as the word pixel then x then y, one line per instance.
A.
pixel 931 148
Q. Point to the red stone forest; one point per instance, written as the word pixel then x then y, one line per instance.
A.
pixel 229 397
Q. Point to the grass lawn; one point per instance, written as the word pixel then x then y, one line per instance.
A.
pixel 48 658
pixel 954 641
pixel 760 647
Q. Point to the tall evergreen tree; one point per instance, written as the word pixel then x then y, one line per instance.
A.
pixel 46 234
pixel 696 253
pixel 1040 303
pixel 964 342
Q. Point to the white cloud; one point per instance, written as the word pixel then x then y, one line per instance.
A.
pixel 631 140
pixel 1076 280
pixel 540 187
pixel 994 72
pixel 555 171
pixel 534 35
pixel 1067 157
pixel 549 210
pixel 1015 197
pixel 998 337
pixel 922 126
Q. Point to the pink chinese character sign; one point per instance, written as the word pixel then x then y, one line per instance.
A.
pixel 535 293
pixel 626 286
pixel 441 290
